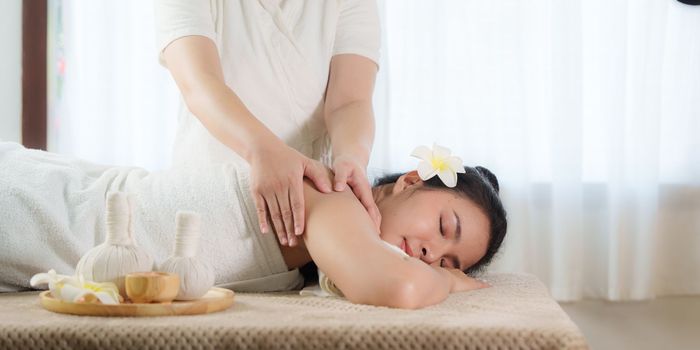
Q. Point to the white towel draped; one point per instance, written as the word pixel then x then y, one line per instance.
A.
pixel 52 211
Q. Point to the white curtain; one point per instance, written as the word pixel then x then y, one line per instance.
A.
pixel 587 111
pixel 114 103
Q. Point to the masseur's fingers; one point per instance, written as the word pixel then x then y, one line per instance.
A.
pixel 276 217
pixel 341 177
pixel 350 172
pixel 363 192
pixel 260 209
pixel 296 200
pixel 316 171
pixel 287 217
pixel 277 175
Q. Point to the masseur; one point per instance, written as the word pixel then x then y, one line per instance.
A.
pixel 281 86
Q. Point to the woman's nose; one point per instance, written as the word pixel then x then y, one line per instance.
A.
pixel 431 252
pixel 427 255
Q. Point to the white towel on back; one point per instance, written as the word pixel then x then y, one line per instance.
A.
pixel 52 211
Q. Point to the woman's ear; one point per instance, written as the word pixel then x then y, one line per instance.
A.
pixel 406 180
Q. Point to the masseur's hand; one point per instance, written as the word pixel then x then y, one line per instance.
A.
pixel 348 171
pixel 277 174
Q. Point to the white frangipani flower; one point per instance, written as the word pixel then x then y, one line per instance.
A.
pixel 438 161
pixel 76 289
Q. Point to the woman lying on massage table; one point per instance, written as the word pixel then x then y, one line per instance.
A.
pixel 54 212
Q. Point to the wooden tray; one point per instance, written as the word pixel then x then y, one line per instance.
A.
pixel 216 299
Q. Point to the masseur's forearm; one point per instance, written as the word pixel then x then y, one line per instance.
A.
pixel 348 106
pixel 226 117
pixel 351 129
pixel 194 64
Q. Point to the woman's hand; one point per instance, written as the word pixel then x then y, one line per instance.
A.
pixel 463 283
pixel 277 174
pixel 350 171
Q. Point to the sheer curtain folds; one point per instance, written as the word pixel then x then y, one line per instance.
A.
pixel 587 111
pixel 114 103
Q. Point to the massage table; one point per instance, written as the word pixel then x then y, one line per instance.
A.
pixel 516 313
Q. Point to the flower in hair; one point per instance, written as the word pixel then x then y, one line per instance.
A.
pixel 438 161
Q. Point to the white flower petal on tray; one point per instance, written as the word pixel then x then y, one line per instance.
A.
pixel 438 161
pixel 70 288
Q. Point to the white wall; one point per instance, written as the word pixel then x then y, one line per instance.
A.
pixel 10 70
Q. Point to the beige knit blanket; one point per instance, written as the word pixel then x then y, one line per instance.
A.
pixel 516 313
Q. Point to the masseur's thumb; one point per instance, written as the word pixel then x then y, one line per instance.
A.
pixel 341 178
pixel 318 175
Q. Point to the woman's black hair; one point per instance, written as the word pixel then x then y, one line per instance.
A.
pixel 479 185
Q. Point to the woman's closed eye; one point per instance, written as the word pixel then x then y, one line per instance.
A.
pixel 442 233
pixel 443 260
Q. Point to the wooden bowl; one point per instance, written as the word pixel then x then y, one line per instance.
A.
pixel 152 286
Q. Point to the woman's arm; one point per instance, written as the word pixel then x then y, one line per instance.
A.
pixel 344 244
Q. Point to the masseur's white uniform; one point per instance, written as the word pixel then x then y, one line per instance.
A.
pixel 276 57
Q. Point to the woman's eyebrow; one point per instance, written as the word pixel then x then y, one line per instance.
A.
pixel 458 235
pixel 458 231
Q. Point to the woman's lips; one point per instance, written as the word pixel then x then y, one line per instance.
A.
pixel 406 248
